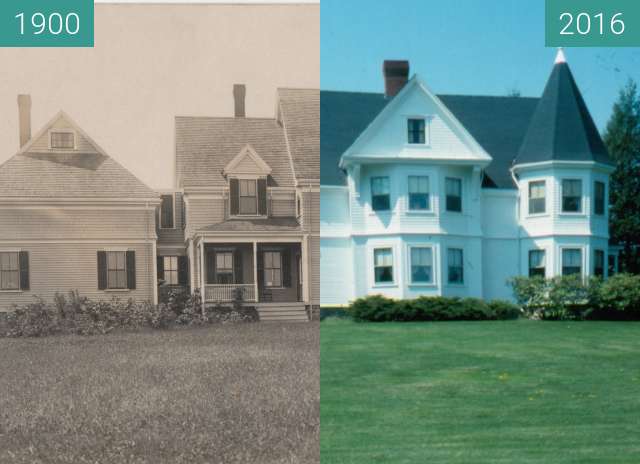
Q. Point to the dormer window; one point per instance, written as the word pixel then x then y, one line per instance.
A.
pixel 62 140
pixel 248 197
pixel 416 131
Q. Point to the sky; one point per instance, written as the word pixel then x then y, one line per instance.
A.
pixel 151 63
pixel 466 47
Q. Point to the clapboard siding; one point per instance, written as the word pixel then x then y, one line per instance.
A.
pixel 314 268
pixel 204 212
pixel 175 236
pixel 61 267
pixel 61 223
pixel 283 208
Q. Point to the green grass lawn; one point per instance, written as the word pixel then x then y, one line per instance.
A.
pixel 246 393
pixel 511 392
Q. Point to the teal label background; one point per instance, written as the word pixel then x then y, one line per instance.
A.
pixel 10 25
pixel 630 10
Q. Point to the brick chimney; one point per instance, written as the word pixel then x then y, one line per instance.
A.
pixel 396 75
pixel 239 92
pixel 24 114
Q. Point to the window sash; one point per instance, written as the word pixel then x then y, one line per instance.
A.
pixel 170 267
pixel 272 269
pixel 571 261
pixel 537 263
pixel 248 196
pixel 453 191
pixel 455 266
pixel 116 269
pixel 571 195
pixel 419 193
pixel 537 197
pixel 416 131
pixel 383 265
pixel 9 271
pixel 380 194
pixel 63 140
pixel 598 263
pixel 421 265
pixel 599 195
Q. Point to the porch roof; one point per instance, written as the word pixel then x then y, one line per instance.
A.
pixel 254 225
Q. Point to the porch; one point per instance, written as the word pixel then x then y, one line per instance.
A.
pixel 253 272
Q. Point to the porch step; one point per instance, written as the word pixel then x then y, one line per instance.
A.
pixel 282 312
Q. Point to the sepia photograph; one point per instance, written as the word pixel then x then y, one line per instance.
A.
pixel 159 238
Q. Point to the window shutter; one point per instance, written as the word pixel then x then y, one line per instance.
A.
pixel 234 197
pixel 102 270
pixel 131 270
pixel 24 270
pixel 210 261
pixel 160 267
pixel 286 269
pixel 183 270
pixel 237 265
pixel 260 263
pixel 262 197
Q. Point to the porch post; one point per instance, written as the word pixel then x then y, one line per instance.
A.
pixel 192 267
pixel 202 273
pixel 255 270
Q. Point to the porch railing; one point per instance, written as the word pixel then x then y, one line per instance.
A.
pixel 225 292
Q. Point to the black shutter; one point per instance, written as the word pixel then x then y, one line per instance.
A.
pixel 166 216
pixel 237 265
pixel 260 262
pixel 24 270
pixel 234 197
pixel 131 270
pixel 160 267
pixel 262 197
pixel 102 270
pixel 182 209
pixel 183 270
pixel 286 268
pixel 210 261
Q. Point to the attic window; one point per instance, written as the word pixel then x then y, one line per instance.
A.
pixel 63 140
pixel 416 131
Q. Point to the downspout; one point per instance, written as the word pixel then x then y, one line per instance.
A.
pixel 518 215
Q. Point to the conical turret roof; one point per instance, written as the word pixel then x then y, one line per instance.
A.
pixel 561 127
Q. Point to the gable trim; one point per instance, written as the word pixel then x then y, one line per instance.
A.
pixel 263 168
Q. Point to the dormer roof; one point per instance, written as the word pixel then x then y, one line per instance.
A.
pixel 247 162
pixel 561 128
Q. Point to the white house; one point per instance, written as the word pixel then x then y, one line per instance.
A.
pixel 425 194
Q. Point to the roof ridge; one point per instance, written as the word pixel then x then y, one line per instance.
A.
pixel 229 118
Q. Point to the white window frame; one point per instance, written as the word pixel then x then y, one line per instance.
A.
pixel 434 267
pixel 233 265
pixel 372 265
pixel 582 211
pixel 177 269
pixel 264 266
pixel 173 208
pixel 444 195
pixel 546 260
pixel 65 131
pixel 126 275
pixel 254 178
pixel 546 197
pixel 255 183
pixel 445 261
pixel 584 258
pixel 427 131
pixel 429 208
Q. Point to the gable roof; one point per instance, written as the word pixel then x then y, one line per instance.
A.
pixel 345 115
pixel 300 113
pixel 247 162
pixel 561 127
pixel 205 145
pixel 84 173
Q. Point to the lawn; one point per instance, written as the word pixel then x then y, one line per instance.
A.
pixel 246 393
pixel 515 392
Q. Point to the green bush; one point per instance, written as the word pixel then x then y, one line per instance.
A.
pixel 575 297
pixel 381 309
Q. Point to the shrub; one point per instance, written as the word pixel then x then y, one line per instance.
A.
pixel 617 298
pixel 381 309
pixel 337 312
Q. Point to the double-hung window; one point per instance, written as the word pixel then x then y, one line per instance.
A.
pixel 272 269
pixel 421 265
pixel 571 261
pixel 419 193
pixel 383 265
pixel 612 265
pixel 571 195
pixel 380 194
pixel 62 140
pixel 537 197
pixel 9 271
pixel 170 269
pixel 455 266
pixel 116 269
pixel 598 197
pixel 453 194
pixel 248 197
pixel 537 263
pixel 224 267
pixel 598 263
pixel 416 129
